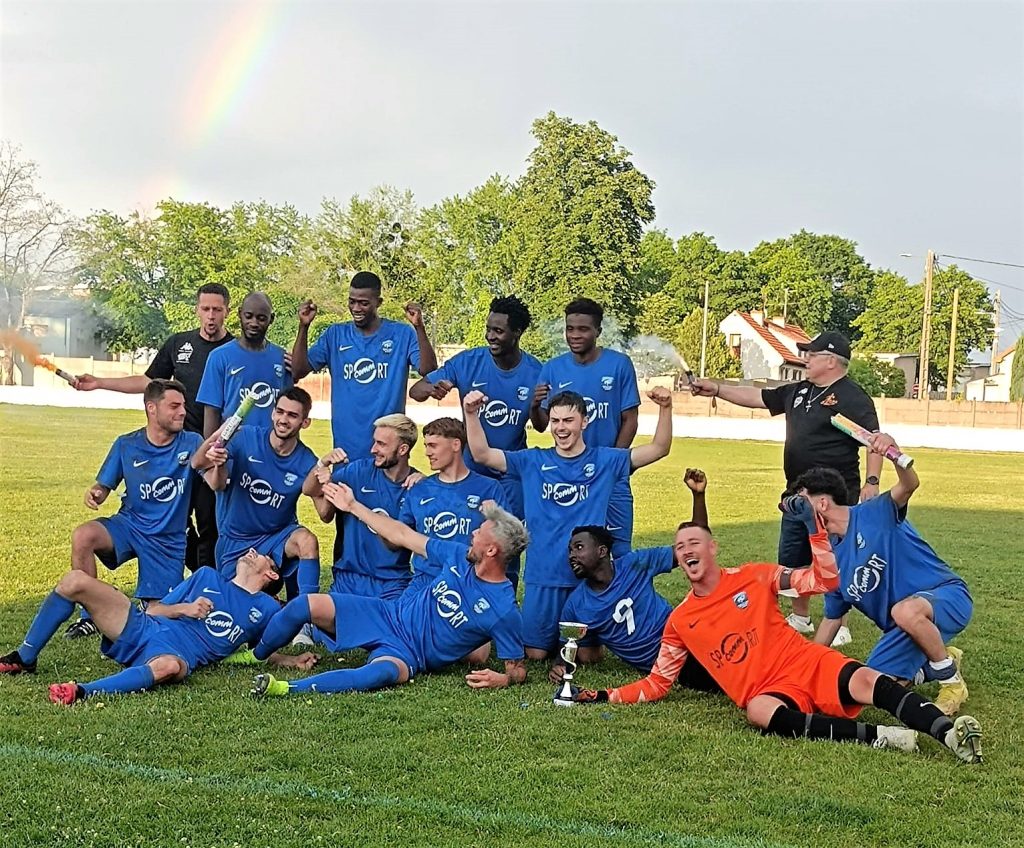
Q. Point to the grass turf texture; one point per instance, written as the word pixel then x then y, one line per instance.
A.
pixel 437 763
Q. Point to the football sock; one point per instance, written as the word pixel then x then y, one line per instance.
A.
pixel 53 612
pixel 375 675
pixel 910 708
pixel 309 576
pixel 283 627
pixel 794 724
pixel 132 679
pixel 944 671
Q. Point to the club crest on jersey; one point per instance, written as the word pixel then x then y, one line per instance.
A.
pixel 481 606
pixel 589 469
pixel 473 502
pixel 830 401
pixel 185 353
pixel 254 615
pixel 183 458
pixel 289 479
pixel 387 346
pixel 522 393
pixel 607 383
pixel 860 542
pixel 799 399
pixel 279 370
pixel 741 600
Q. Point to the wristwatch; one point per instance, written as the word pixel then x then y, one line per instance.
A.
pixel 871 481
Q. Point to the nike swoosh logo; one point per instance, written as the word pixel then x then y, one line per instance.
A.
pixel 453 569
pixel 693 624
pixel 208 591
pixel 233 371
pixel 477 385
pixel 366 491
pixel 548 467
pixel 253 459
pixel 138 464
pixel 343 348
pixel 563 385
pixel 425 501
pixel 611 529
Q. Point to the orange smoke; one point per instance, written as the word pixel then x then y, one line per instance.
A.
pixel 11 339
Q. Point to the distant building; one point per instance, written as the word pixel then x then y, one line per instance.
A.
pixel 996 386
pixel 765 347
pixel 906 362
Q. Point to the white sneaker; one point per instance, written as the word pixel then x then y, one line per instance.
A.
pixel 799 623
pixel 900 738
pixel 964 739
pixel 304 638
pixel 843 637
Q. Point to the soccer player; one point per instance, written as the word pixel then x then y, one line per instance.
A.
pixel 269 466
pixel 892 575
pixel 154 464
pixel 730 621
pixel 202 620
pixel 367 566
pixel 183 358
pixel 507 375
pixel 617 600
pixel 369 360
pixel 811 440
pixel 566 486
pixel 470 603
pixel 247 364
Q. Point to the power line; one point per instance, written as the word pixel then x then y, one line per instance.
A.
pixel 983 261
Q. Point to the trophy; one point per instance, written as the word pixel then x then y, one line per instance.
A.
pixel 570 631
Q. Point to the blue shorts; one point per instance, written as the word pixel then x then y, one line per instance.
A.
pixel 144 637
pixel 898 655
pixel 230 548
pixel 161 558
pixel 542 608
pixel 352 583
pixel 368 623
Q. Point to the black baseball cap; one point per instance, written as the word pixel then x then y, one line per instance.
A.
pixel 829 342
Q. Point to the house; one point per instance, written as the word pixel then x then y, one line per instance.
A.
pixel 996 386
pixel 766 347
pixel 906 362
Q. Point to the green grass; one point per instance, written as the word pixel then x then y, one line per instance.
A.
pixel 435 763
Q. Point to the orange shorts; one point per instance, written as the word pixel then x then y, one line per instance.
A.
pixel 811 680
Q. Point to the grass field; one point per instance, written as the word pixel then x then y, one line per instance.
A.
pixel 434 763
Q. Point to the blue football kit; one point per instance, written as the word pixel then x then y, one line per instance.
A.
pixel 233 371
pixel 628 616
pixel 259 503
pixel 369 377
pixel 507 411
pixel 150 525
pixel 882 560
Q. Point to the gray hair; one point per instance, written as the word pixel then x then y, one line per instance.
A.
pixel 509 532
pixel 842 361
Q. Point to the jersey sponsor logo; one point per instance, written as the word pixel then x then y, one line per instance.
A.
pixel 221 625
pixel 387 346
pixel 445 525
pixel 264 392
pixel 289 479
pixel 448 603
pixel 866 578
pixel 233 371
pixel 623 614
pixel 365 370
pixel 261 492
pixel 497 413
pixel 138 463
pixel 522 393
pixel 589 469
pixel 481 606
pixel 184 355
pixel 254 615
pixel 379 511
pixel 741 600
pixel 163 489
pixel 734 648
pixel 607 383
pixel 565 494
pixel 562 385
pixel 596 410
pixel 182 457
pixel 473 502
pixel 343 348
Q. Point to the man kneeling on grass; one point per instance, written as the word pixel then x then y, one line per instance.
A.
pixel 730 622
pixel 470 602
pixel 204 619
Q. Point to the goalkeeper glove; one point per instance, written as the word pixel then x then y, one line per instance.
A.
pixel 591 696
pixel 800 509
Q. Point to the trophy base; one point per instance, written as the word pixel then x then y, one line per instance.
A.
pixel 564 695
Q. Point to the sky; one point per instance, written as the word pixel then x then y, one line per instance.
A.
pixel 897 124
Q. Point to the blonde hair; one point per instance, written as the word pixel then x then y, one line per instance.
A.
pixel 509 532
pixel 403 425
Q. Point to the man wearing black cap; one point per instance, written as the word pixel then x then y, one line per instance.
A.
pixel 811 440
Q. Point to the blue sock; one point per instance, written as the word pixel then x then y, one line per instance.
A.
pixel 283 627
pixel 53 612
pixel 309 576
pixel 374 675
pixel 132 679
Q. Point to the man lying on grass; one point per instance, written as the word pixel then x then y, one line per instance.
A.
pixel 730 621
pixel 470 602
pixel 204 619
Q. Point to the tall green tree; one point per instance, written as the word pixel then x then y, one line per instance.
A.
pixel 791 285
pixel 1017 372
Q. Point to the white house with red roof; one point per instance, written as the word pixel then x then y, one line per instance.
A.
pixel 766 347
pixel 996 386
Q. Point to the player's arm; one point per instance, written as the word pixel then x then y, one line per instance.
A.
pixel 823 575
pixel 488 678
pixel 108 478
pixel 538 414
pixel 660 445
pixel 628 420
pixel 134 384
pixel 827 630
pixel 748 396
pixel 387 528
pixel 96 494
pixel 697 482
pixel 300 350
pixel 197 609
pixel 428 359
pixel 212 420
pixel 657 684
pixel 478 447
pixel 423 389
pixel 907 481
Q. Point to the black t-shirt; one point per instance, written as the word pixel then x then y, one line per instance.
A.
pixel 183 358
pixel 811 439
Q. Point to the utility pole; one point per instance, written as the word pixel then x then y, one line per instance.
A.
pixel 785 306
pixel 926 328
pixel 992 366
pixel 952 344
pixel 704 330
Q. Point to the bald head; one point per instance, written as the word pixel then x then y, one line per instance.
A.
pixel 255 315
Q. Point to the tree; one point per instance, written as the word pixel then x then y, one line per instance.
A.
pixel 791 285
pixel 878 378
pixel 35 242
pixel 1017 372
pixel 719 361
pixel 891 323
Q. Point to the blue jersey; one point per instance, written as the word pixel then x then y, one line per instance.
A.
pixel 448 511
pixel 264 489
pixel 459 612
pixel 157 480
pixel 238 618
pixel 608 385
pixel 363 551
pixel 369 377
pixel 560 494
pixel 629 615
pixel 232 371
pixel 882 560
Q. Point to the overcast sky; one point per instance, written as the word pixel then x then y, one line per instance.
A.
pixel 897 124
